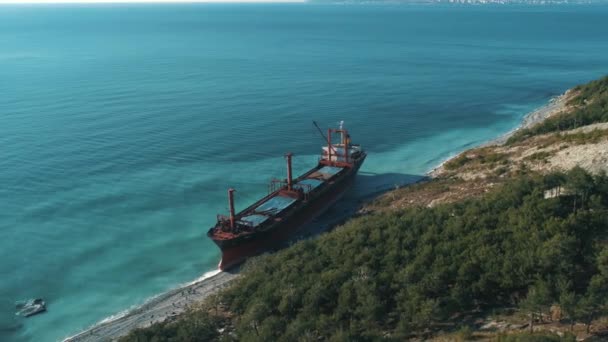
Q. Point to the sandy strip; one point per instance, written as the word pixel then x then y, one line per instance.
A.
pixel 157 309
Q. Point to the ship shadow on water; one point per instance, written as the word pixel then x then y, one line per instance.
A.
pixel 370 184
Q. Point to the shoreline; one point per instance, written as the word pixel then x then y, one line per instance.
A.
pixel 171 303
pixel 156 309
pixel 174 302
pixel 554 106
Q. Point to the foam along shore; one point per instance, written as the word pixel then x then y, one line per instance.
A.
pixel 157 309
pixel 172 303
pixel 555 106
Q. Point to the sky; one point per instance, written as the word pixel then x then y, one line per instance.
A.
pixel 131 1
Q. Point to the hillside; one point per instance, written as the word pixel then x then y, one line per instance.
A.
pixel 573 132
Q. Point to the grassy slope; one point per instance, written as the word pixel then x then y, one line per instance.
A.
pixel 405 270
pixel 591 106
pixel 579 134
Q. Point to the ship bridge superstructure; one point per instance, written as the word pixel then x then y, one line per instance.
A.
pixel 341 153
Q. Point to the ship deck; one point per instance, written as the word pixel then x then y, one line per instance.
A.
pixel 273 205
pixel 279 204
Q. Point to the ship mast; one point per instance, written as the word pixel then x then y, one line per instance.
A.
pixel 231 203
pixel 342 133
pixel 289 178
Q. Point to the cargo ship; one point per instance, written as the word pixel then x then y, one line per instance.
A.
pixel 290 204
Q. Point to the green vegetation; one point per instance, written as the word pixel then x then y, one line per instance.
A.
pixel 501 170
pixel 458 162
pixel 536 337
pixel 194 325
pixel 590 106
pixel 418 271
pixel 396 275
pixel 484 155
pixel 539 156
pixel 591 91
pixel 414 193
pixel 578 138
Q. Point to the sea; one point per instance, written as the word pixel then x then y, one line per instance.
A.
pixel 122 126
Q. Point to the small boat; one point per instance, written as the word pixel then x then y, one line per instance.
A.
pixel 30 307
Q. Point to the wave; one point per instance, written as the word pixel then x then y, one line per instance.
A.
pixel 206 275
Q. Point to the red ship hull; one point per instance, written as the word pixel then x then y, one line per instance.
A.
pixel 272 221
pixel 239 253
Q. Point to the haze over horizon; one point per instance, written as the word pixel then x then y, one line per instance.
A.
pixel 23 2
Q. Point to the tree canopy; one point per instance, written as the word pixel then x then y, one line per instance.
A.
pixel 394 275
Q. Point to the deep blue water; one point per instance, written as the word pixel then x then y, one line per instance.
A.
pixel 121 126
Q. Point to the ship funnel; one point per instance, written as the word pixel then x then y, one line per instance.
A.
pixel 289 180
pixel 231 203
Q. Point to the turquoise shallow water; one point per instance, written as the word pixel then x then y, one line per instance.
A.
pixel 122 126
